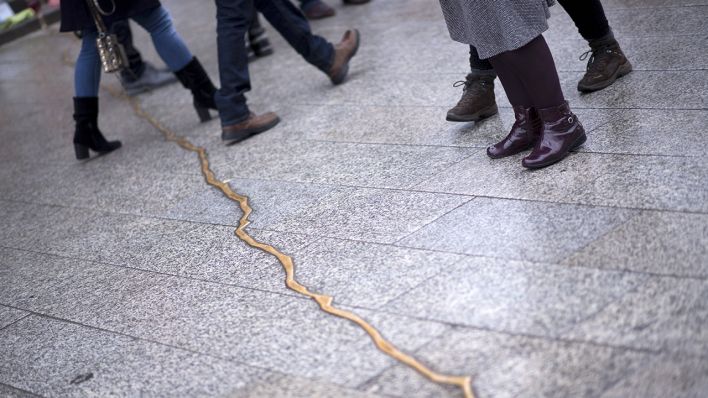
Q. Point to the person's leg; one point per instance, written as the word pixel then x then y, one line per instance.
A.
pixel 233 18
pixel 477 101
pixel 535 69
pixel 233 21
pixel 537 81
pixel 136 66
pixel 589 17
pixel 87 73
pixel 167 41
pixel 527 126
pixel 258 42
pixel 179 59
pixel 139 76
pixel 293 26
pixel 607 61
pixel 87 77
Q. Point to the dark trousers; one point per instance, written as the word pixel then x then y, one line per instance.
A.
pixel 588 16
pixel 136 66
pixel 233 19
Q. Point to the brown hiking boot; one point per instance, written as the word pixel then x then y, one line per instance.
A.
pixel 607 63
pixel 255 124
pixel 318 10
pixel 344 51
pixel 477 100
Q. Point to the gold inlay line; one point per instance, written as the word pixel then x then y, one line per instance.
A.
pixel 324 301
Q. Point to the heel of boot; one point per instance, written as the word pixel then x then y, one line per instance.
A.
pixel 203 113
pixel 82 151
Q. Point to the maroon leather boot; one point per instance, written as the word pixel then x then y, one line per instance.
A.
pixel 562 132
pixel 524 134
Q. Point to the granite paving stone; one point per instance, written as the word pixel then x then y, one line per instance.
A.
pixel 667 314
pixel 646 182
pixel 11 392
pixel 513 296
pixel 678 376
pixel 90 362
pixel 383 166
pixel 9 316
pixel 657 242
pixel 670 132
pixel 510 366
pixel 365 274
pixel 227 322
pixel 520 230
pixel 373 215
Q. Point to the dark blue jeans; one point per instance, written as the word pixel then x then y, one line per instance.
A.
pixel 233 18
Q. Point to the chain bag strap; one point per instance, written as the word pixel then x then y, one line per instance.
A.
pixel 112 53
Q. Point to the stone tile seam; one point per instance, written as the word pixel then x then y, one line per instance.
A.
pixel 150 217
pixel 471 199
pixel 480 147
pixel 153 272
pixel 34 394
pixel 143 339
pixel 614 300
pixel 636 214
pixel 558 264
pixel 558 339
pixel 16 320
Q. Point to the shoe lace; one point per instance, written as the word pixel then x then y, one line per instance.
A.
pixel 461 83
pixel 598 58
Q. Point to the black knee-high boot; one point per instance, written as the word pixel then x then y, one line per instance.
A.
pixel 87 135
pixel 194 77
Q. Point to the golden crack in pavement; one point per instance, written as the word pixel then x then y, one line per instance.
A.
pixel 324 301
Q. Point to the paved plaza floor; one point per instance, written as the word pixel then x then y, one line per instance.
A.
pixel 122 276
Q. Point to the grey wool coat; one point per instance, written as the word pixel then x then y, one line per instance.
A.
pixel 496 26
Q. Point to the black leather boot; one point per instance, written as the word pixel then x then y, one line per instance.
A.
pixel 562 132
pixel 87 135
pixel 523 135
pixel 194 77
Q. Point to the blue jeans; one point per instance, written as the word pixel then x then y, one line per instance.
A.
pixel 169 45
pixel 233 18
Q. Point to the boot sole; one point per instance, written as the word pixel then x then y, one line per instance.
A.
pixel 236 137
pixel 578 143
pixel 475 117
pixel 623 70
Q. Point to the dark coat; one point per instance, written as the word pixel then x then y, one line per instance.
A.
pixel 75 14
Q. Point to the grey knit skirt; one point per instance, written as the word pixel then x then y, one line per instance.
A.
pixel 496 26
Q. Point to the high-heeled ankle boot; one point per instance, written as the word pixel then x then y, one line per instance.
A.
pixel 87 135
pixel 524 134
pixel 194 77
pixel 562 132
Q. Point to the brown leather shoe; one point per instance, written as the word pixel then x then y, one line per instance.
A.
pixel 344 51
pixel 477 101
pixel 607 63
pixel 524 134
pixel 318 10
pixel 562 132
pixel 255 124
